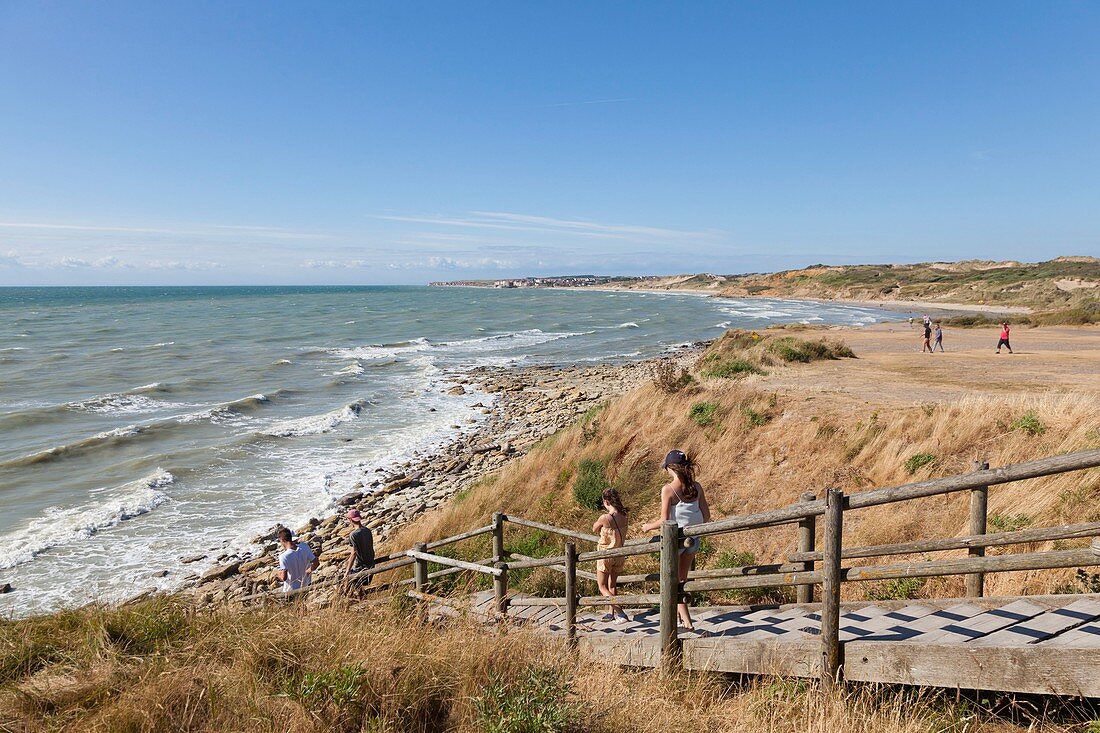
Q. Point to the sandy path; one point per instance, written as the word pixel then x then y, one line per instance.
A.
pixel 891 370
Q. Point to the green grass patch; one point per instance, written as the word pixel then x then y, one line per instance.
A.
pixel 917 461
pixel 1008 522
pixel 590 483
pixel 1029 423
pixel 754 419
pixel 899 589
pixel 703 413
pixel 726 369
pixel 535 702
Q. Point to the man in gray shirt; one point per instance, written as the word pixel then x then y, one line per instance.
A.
pixel 362 545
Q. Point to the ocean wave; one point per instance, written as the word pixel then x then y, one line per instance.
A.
pixel 315 424
pixel 354 369
pixel 232 409
pixel 382 351
pixel 496 342
pixel 130 401
pixel 723 324
pixel 99 440
pixel 62 526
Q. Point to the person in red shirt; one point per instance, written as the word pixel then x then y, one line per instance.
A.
pixel 1004 339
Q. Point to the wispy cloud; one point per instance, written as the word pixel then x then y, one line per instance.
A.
pixel 585 102
pixel 500 220
pixel 186 230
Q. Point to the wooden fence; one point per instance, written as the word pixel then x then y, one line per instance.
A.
pixel 810 568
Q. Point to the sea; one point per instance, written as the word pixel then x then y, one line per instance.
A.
pixel 141 427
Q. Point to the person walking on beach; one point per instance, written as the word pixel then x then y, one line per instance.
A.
pixel 939 338
pixel 927 338
pixel 362 545
pixel 612 529
pixel 682 500
pixel 296 562
pixel 1004 338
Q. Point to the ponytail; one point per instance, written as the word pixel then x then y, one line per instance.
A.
pixel 685 471
pixel 611 496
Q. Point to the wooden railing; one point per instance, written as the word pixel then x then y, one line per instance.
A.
pixel 804 569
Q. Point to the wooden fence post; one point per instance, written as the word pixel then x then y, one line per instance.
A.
pixel 500 582
pixel 831 659
pixel 979 505
pixel 807 531
pixel 571 594
pixel 420 568
pixel 671 539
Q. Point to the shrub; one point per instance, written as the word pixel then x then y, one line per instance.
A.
pixel 534 703
pixel 1009 522
pixel 1029 423
pixel 340 687
pixel 703 413
pixel 918 461
pixel 668 380
pixel 1083 582
pixel 590 483
pixel 732 368
pixel 789 348
pixel 753 418
pixel 899 589
pixel 146 628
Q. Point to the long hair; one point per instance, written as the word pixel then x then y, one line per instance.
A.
pixel 686 473
pixel 611 496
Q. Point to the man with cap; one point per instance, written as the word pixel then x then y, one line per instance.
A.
pixel 362 545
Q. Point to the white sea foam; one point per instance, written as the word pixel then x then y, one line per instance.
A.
pixel 723 324
pixel 354 369
pixel 59 526
pixel 315 424
pixel 128 402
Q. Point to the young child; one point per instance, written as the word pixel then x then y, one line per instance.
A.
pixel 683 500
pixel 612 528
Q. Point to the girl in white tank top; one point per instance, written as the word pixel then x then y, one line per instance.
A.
pixel 684 502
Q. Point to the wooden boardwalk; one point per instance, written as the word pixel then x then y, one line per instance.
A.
pixel 1041 644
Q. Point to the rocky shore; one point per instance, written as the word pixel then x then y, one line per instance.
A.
pixel 521 407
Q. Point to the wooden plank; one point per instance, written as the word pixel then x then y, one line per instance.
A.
pixel 631 651
pixel 559 568
pixel 459 537
pixel 1031 669
pixel 786 658
pixel 1086 635
pixel 977 479
pixel 551 529
pixel 451 562
pixel 999 539
pixel 1043 626
pixel 980 624
pixel 964 482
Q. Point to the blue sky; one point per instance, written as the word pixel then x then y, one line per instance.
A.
pixel 399 142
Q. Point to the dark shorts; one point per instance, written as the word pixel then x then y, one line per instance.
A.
pixel 1003 342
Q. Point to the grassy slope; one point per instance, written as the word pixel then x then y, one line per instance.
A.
pixel 1034 285
pixel 763 448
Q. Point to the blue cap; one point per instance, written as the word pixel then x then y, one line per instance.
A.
pixel 674 457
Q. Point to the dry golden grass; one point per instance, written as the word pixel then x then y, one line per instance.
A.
pixel 377 668
pixel 766 447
